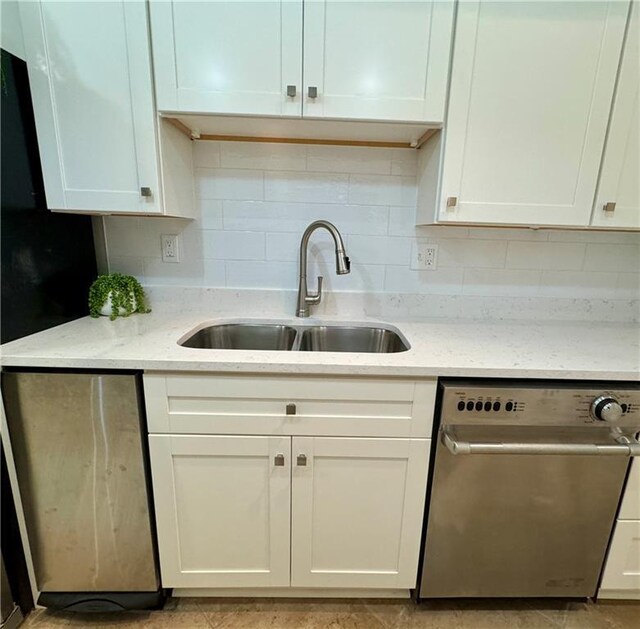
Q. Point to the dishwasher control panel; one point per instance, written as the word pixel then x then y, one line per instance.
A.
pixel 464 402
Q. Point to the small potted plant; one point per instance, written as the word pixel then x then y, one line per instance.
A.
pixel 116 295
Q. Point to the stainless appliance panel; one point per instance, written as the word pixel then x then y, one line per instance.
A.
pixel 526 483
pixel 519 525
pixel 77 444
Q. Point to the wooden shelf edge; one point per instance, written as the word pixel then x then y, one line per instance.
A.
pixel 183 128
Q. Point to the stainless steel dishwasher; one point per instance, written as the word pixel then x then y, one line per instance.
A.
pixel 525 487
pixel 79 446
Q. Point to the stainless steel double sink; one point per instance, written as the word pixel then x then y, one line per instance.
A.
pixel 253 336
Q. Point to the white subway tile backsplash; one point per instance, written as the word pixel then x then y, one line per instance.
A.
pixel 545 255
pixel 206 154
pixel 594 285
pixel 127 265
pixel 402 279
pixel 501 282
pixel 250 274
pixel 348 159
pixel 263 156
pixel 306 187
pixel 606 257
pixel 231 245
pixel 382 190
pixel 210 213
pixel 228 183
pixel 379 250
pixel 294 217
pixel 256 199
pixel 285 246
pixel 458 252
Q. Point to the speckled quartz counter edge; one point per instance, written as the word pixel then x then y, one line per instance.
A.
pixel 469 348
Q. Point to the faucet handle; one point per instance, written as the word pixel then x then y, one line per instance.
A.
pixel 315 298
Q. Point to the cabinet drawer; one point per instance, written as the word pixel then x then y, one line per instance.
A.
pixel 230 404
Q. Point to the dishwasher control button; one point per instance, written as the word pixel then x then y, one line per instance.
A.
pixel 496 406
pixel 461 405
pixel 508 406
pixel 469 406
pixel 478 406
pixel 606 408
pixel 487 406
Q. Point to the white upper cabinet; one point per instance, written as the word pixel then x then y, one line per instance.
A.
pixel 530 98
pixel 376 60
pixel 230 57
pixel 90 75
pixel 619 178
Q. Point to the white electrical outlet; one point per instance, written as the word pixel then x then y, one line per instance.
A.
pixel 424 257
pixel 170 247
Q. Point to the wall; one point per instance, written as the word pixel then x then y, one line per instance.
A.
pixel 256 199
pixel 11 28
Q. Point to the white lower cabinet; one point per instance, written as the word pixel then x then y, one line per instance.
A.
pixel 322 485
pixel 233 511
pixel 222 510
pixel 621 578
pixel 356 513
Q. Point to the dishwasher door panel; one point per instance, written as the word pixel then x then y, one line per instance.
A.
pixel 77 444
pixel 519 525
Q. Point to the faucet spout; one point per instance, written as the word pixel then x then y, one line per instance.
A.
pixel 343 266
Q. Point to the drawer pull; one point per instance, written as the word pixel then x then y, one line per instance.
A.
pixel 278 460
pixel 291 409
pixel 301 460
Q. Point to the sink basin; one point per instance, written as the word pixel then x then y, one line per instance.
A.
pixel 250 336
pixel 351 339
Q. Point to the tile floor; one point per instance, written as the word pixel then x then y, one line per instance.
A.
pixel 210 613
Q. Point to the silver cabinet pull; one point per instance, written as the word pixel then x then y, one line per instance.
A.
pixel 609 207
pixel 278 460
pixel 145 191
pixel 312 91
pixel 291 409
pixel 621 446
pixel 452 202
pixel 291 91
pixel 301 460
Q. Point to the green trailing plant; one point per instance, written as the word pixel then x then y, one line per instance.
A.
pixel 126 293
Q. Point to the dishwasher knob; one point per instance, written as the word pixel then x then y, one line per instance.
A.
pixel 606 408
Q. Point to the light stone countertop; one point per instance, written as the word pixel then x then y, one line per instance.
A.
pixel 439 346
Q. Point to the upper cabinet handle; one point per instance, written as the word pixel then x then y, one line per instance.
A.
pixel 313 91
pixel 609 207
pixel 291 91
pixel 145 191
pixel 291 409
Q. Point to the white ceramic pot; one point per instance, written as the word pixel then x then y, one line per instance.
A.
pixel 106 308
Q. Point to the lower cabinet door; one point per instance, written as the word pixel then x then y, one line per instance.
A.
pixel 222 510
pixel 622 569
pixel 357 510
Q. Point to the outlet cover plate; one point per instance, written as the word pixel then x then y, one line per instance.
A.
pixel 424 256
pixel 170 247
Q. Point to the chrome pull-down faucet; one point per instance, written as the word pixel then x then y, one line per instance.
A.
pixel 343 266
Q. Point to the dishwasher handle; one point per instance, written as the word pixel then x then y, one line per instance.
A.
pixel 623 446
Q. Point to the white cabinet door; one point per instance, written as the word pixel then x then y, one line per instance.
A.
pixel 622 569
pixel 233 56
pixel 630 507
pixel 619 179
pixel 531 91
pixel 90 75
pixel 222 510
pixel 377 60
pixel 357 509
